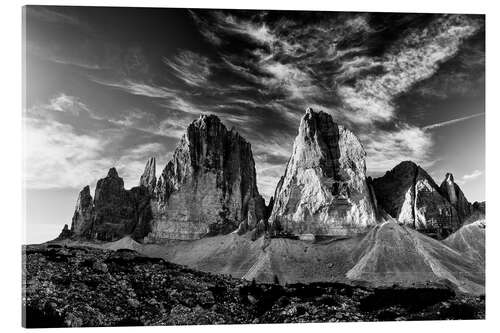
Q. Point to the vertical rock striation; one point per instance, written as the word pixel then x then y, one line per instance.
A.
pixel 148 178
pixel 113 213
pixel 324 190
pixel 454 194
pixel 412 197
pixel 114 208
pixel 209 187
pixel 81 223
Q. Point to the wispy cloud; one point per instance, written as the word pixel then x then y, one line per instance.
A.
pixel 473 175
pixel 60 103
pixel 296 82
pixel 137 88
pixel 452 121
pixel 190 67
pixel 57 157
pixel 259 32
pixel 416 57
pixel 261 73
pixel 56 16
pixel 469 177
pixel 385 149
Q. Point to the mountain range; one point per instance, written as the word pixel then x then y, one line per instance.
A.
pixel 327 220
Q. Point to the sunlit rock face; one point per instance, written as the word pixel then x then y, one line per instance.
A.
pixel 209 187
pixel 82 217
pixel 148 178
pixel 412 197
pixel 456 197
pixel 324 190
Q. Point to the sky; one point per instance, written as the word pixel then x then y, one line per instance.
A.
pixel 110 87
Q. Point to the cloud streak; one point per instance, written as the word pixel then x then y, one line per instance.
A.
pixel 192 68
pixel 452 121
pixel 470 177
pixel 258 71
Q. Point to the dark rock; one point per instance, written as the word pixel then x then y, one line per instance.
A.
pixel 411 196
pixel 479 207
pixel 114 213
pixel 137 291
pixel 269 208
pixel 456 197
pixel 65 233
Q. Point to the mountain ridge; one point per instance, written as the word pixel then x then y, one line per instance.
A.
pixel 310 231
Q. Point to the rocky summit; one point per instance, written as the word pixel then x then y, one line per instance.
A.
pixel 209 187
pixel 454 194
pixel 413 198
pixel 324 190
pixel 113 213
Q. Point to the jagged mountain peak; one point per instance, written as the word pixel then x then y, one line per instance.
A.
pixel 113 173
pixel 411 196
pixel 324 189
pixel 148 177
pixel 454 194
pixel 449 177
pixel 85 191
pixel 209 186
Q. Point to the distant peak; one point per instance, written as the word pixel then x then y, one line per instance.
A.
pixel 151 161
pixel 314 113
pixel 318 120
pixel 406 164
pixel 207 118
pixel 449 177
pixel 112 173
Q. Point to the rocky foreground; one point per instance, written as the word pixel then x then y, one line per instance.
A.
pixel 82 286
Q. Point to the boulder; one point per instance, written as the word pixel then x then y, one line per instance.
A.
pixel 208 187
pixel 324 189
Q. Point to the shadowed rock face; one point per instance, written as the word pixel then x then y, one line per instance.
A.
pixel 113 213
pixel 114 208
pixel 208 187
pixel 456 197
pixel 324 189
pixel 479 207
pixel 412 197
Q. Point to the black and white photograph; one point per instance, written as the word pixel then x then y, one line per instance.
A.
pixel 187 166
